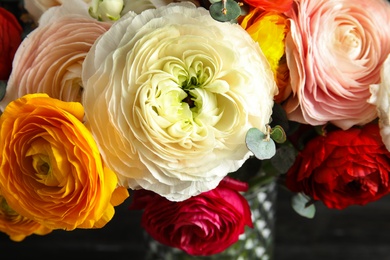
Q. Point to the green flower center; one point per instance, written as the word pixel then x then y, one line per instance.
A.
pixel 5 209
pixel 183 94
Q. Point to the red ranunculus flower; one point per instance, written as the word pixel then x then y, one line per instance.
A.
pixel 343 168
pixel 10 38
pixel 205 224
pixel 271 5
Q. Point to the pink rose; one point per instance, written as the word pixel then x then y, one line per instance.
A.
pixel 10 38
pixel 335 51
pixel 50 58
pixel 201 225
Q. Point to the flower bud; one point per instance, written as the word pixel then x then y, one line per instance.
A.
pixel 106 10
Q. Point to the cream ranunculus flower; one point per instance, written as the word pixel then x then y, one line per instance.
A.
pixel 138 6
pixel 112 10
pixel 169 96
pixel 36 8
pixel 51 168
pixel 380 96
pixel 49 59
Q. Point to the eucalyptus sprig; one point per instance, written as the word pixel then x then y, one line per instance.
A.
pixel 225 10
pixel 263 145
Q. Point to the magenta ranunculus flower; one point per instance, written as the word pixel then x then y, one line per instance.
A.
pixel 334 52
pixel 201 225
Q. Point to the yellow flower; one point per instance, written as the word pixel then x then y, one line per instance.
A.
pixel 269 30
pixel 16 226
pixel 51 168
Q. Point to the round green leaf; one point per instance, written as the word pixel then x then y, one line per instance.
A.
pixel 284 158
pixel 224 13
pixel 278 134
pixel 261 147
pixel 3 87
pixel 301 204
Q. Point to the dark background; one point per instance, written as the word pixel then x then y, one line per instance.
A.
pixel 356 233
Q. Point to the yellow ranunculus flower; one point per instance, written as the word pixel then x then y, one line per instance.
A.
pixel 269 30
pixel 51 168
pixel 16 226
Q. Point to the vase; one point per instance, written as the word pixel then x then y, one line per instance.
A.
pixel 255 243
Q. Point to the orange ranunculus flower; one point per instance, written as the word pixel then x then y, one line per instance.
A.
pixel 16 226
pixel 51 168
pixel 269 30
pixel 271 5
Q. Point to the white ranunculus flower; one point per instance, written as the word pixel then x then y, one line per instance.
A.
pixel 141 5
pixel 37 7
pixel 380 96
pixel 169 96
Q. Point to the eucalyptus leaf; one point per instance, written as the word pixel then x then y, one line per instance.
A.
pixel 258 143
pixel 303 206
pixel 278 134
pixel 284 158
pixel 3 87
pixel 224 13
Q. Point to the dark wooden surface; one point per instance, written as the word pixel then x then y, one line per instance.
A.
pixel 357 233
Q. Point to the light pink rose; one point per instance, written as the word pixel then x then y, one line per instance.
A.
pixel 49 59
pixel 335 51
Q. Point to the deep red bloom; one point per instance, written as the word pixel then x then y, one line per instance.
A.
pixel 343 168
pixel 10 39
pixel 271 5
pixel 205 224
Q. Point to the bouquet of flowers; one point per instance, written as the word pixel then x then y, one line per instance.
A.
pixel 163 103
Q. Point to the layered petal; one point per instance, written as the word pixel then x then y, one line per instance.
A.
pixel 343 168
pixel 335 50
pixel 169 96
pixel 49 60
pixel 51 167
pixel 205 224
